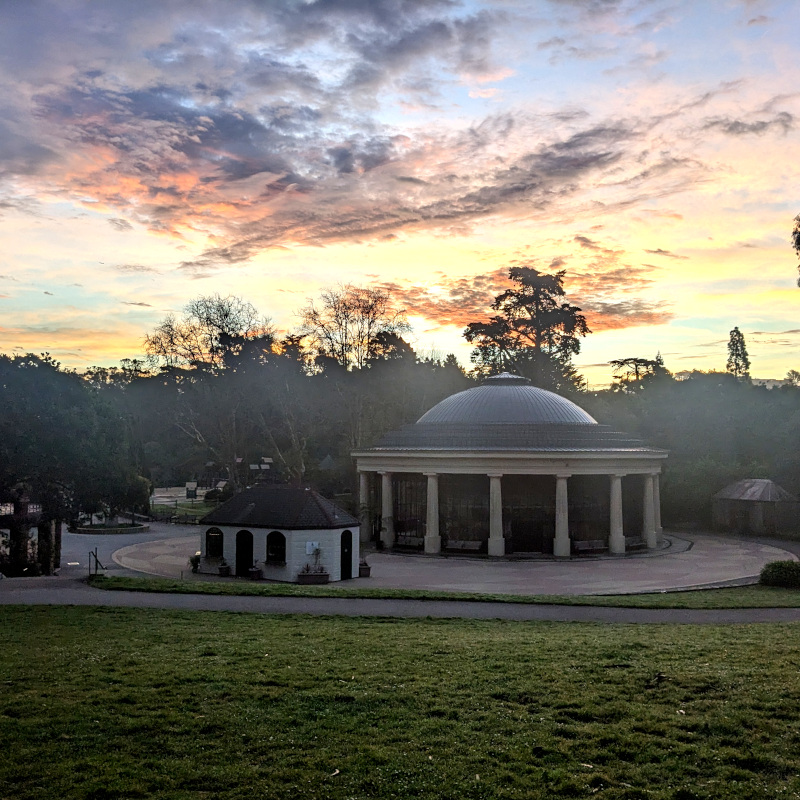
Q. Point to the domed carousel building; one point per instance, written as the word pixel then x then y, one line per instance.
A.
pixel 506 469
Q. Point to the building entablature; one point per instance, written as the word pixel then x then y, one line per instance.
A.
pixel 511 463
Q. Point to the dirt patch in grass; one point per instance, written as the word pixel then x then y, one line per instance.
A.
pixel 143 703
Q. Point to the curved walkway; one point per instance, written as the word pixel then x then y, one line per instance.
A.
pixel 693 560
pixel 689 561
pixel 59 591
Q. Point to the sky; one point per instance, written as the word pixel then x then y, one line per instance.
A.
pixel 158 151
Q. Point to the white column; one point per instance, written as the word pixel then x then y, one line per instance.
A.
pixel 433 542
pixel 387 509
pixel 497 545
pixel 363 507
pixel 561 546
pixel 657 504
pixel 649 522
pixel 616 535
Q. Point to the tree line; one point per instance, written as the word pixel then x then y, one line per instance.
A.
pixel 220 391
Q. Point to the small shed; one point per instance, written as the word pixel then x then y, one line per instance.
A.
pixel 283 531
pixel 756 505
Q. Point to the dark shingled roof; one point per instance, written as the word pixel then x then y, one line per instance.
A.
pixel 754 489
pixel 542 437
pixel 282 508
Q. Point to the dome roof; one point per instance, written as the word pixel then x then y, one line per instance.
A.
pixel 506 399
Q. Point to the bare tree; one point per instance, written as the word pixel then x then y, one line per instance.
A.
pixel 350 323
pixel 210 329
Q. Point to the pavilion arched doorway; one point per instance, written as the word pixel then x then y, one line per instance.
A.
pixel 347 556
pixel 244 553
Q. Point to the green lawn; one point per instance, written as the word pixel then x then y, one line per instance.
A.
pixel 197 507
pixel 127 703
pixel 735 597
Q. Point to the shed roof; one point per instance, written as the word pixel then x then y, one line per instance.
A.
pixel 282 508
pixel 754 489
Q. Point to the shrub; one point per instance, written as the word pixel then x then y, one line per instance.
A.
pixel 781 573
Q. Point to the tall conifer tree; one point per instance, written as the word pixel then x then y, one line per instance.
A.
pixel 738 361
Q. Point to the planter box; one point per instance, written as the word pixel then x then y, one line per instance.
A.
pixel 224 570
pixel 254 573
pixel 312 578
pixel 364 570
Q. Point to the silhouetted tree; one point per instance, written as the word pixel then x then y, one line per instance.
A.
pixel 350 323
pixel 536 334
pixel 631 374
pixel 738 362
pixel 210 332
pixel 62 444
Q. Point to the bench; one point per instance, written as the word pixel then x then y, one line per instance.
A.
pixel 635 543
pixel 590 546
pixel 402 540
pixel 464 544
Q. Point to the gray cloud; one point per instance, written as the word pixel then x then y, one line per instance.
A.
pixel 133 268
pixel 131 303
pixel 256 121
pixel 21 155
pixel 667 253
pixel 736 127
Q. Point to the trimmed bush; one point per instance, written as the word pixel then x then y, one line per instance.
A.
pixel 781 573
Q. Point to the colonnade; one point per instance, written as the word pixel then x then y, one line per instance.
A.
pixel 651 513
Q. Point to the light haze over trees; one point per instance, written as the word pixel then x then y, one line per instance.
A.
pixel 68 447
pixel 93 442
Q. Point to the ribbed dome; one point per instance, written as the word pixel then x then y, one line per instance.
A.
pixel 506 399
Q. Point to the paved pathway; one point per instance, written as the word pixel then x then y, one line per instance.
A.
pixel 688 561
pixel 692 560
pixel 60 591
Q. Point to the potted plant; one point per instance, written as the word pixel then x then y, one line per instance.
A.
pixel 224 568
pixel 312 576
pixel 364 569
pixel 254 573
pixel 313 573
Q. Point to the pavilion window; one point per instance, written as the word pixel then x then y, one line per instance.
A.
pixel 276 548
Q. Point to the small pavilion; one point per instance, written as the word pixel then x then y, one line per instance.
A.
pixel 281 531
pixel 506 468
